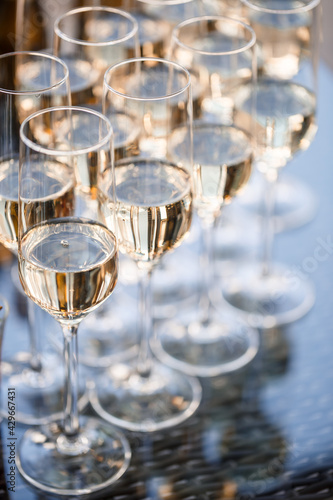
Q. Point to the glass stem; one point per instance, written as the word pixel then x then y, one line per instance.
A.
pixel 35 357
pixel 268 229
pixel 146 323
pixel 71 413
pixel 206 263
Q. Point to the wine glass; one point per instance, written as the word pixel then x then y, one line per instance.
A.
pixel 68 265
pixel 285 41
pixel 220 54
pixel 175 279
pixel 154 212
pixel 29 81
pixel 156 19
pixel 90 39
pixel 269 293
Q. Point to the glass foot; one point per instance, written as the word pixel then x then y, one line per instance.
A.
pixel 268 301
pixel 146 404
pixel 295 203
pixel 39 394
pixel 47 463
pixel 209 348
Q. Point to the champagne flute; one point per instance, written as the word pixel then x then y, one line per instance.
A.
pixel 90 39
pixel 29 81
pixel 68 265
pixel 156 19
pixel 287 35
pixel 220 54
pixel 268 293
pixel 154 212
pixel 175 278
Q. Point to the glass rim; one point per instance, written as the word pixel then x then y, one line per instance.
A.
pixel 104 43
pixel 38 148
pixel 199 19
pixel 37 55
pixel 164 62
pixel 302 8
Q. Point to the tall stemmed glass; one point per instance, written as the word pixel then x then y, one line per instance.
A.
pixel 154 212
pixel 90 39
pixel 68 265
pixel 29 81
pixel 286 41
pixel 175 279
pixel 220 54
pixel 267 292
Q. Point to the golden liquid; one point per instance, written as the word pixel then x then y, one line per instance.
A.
pixel 154 207
pixel 284 119
pixel 222 164
pixel 68 266
pixel 54 177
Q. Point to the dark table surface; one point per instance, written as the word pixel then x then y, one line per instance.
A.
pixel 266 431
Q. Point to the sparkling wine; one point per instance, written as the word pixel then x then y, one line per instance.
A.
pixel 222 163
pixel 68 266
pixel 285 119
pixel 54 176
pixel 154 209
